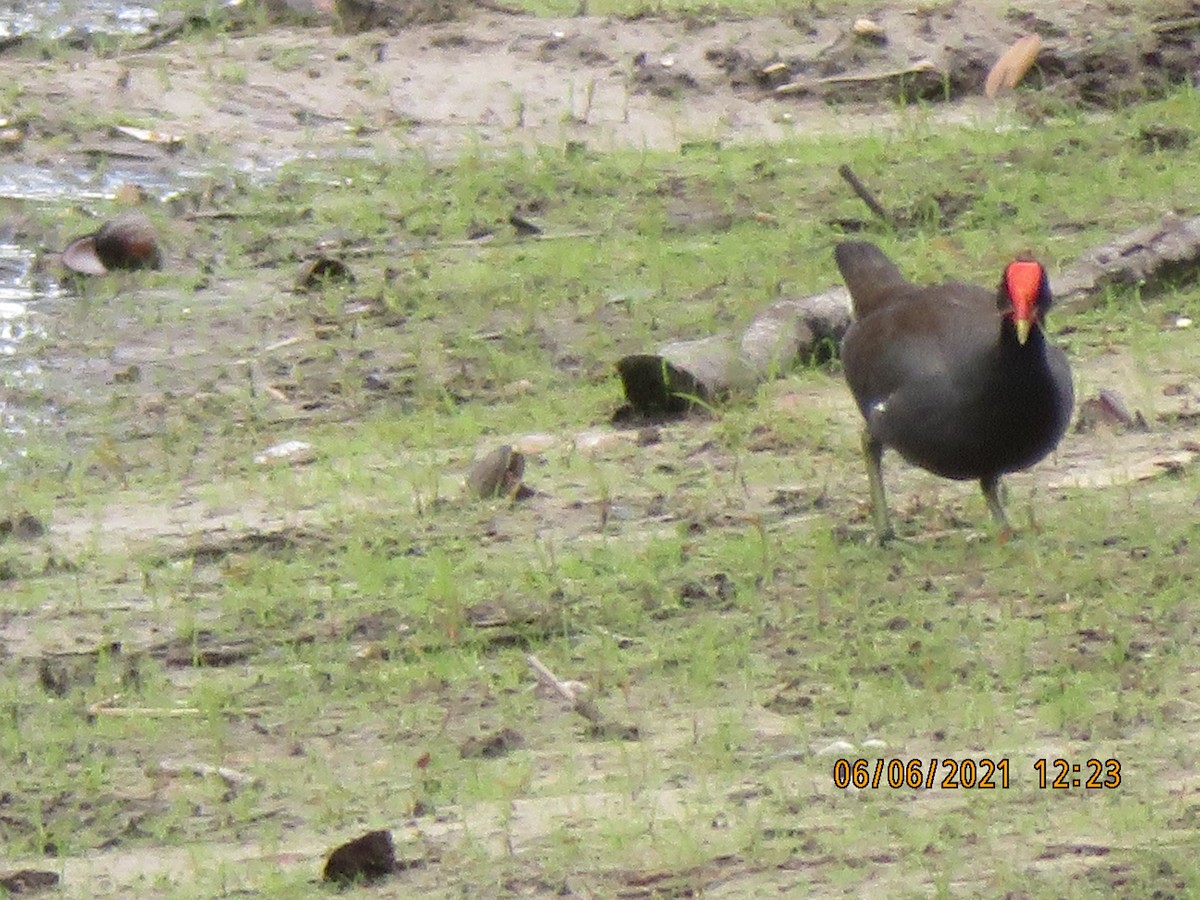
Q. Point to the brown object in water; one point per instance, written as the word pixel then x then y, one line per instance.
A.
pixel 958 379
pixel 127 242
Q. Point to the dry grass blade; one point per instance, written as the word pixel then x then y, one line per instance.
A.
pixel 176 768
pixel 107 707
pixel 1012 65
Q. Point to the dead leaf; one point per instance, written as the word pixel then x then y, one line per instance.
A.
pixel 1012 65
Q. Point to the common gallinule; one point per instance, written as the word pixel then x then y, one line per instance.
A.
pixel 126 242
pixel 959 380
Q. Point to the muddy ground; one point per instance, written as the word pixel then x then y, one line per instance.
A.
pixel 255 99
pixel 495 79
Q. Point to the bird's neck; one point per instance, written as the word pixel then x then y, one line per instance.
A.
pixel 1012 350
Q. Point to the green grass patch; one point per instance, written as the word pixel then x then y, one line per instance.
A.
pixel 341 631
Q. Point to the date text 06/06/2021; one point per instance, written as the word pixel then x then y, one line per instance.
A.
pixel 984 773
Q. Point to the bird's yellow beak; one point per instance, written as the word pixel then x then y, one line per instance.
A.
pixel 1023 326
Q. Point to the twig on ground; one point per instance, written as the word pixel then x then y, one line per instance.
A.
pixel 1167 25
pixel 105 707
pixel 864 194
pixel 108 707
pixel 158 38
pixel 800 87
pixel 579 703
pixel 601 726
pixel 175 768
pixel 501 8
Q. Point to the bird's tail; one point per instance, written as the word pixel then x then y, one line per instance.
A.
pixel 869 275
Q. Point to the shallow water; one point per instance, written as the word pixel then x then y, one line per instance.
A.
pixel 25 291
pixel 28 182
pixel 54 18
pixel 20 325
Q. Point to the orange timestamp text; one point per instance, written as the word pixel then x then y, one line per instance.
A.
pixel 945 772
pixel 985 773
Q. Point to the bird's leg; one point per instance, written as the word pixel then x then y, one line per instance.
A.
pixel 873 452
pixel 991 493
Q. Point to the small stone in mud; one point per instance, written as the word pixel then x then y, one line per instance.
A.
pixel 1163 137
pixel 364 859
pixel 293 453
pixel 1107 409
pixel 649 435
pixel 870 31
pixel 498 475
pixel 316 273
pixel 523 226
pixel 21 526
pixel 495 745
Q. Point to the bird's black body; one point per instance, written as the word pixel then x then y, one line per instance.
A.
pixel 940 375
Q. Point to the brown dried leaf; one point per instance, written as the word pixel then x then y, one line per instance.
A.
pixel 1012 65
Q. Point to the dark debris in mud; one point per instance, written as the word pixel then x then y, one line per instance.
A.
pixel 499 743
pixel 946 56
pixel 273 543
pixel 364 859
pixel 21 527
pixel 204 649
pixel 26 882
pixel 60 673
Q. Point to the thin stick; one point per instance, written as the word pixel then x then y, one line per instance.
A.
pixel 415 247
pixel 796 87
pixel 105 708
pixel 1176 24
pixel 550 679
pixel 174 769
pixel 579 704
pixel 498 8
pixel 864 193
pixel 165 36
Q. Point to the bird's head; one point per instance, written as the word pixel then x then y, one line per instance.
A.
pixel 1024 295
